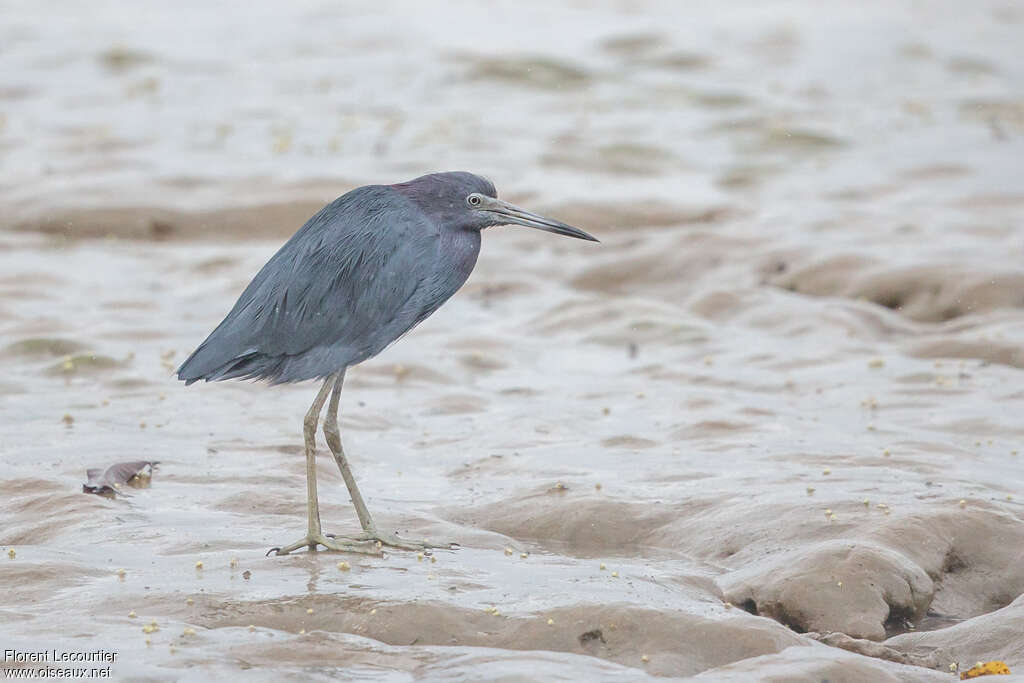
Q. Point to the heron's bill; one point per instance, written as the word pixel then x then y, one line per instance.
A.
pixel 511 214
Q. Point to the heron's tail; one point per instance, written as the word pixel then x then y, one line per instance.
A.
pixel 206 364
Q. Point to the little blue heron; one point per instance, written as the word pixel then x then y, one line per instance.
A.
pixel 363 271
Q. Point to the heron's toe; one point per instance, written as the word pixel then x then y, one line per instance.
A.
pixel 361 546
pixel 393 540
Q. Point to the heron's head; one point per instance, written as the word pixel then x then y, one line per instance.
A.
pixel 469 202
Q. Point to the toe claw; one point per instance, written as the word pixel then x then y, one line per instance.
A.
pixel 276 551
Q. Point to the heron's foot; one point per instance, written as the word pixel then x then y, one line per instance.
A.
pixel 392 540
pixel 362 546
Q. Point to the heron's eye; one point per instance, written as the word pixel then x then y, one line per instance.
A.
pixel 474 200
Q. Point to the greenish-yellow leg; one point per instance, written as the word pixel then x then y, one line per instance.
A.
pixel 314 535
pixel 333 436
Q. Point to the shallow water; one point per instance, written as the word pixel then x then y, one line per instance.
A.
pixel 787 383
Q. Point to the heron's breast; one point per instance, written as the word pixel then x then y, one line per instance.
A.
pixel 455 259
pixel 463 249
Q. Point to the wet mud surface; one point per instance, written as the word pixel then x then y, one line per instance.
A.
pixel 769 429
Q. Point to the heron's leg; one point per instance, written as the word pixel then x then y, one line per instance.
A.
pixel 309 437
pixel 314 535
pixel 333 435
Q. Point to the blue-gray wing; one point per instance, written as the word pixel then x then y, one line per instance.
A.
pixel 338 292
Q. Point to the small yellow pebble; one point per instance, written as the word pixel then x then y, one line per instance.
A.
pixel 832 518
pixel 597 486
pixel 199 564
pixel 508 551
pixel 523 556
pixel 189 631
pixel 886 453
pixel 615 575
pixel 953 666
pixel 189 601
pixel 121 573
pixel 986 669
pixel 602 566
pixel 876 363
pixel 839 583
pixel 252 627
pixel 963 503
pixel 644 659
pixel 826 471
pixel 302 631
pixel 433 559
pixel 551 622
pixel 131 615
pixel 344 566
pixel 867 503
pixel 373 611
pixel 11 554
pixel 233 563
pixel 828 512
pixel 810 490
pixel 419 557
pixel 309 611
pixel 728 605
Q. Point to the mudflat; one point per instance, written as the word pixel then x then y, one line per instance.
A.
pixel 769 429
